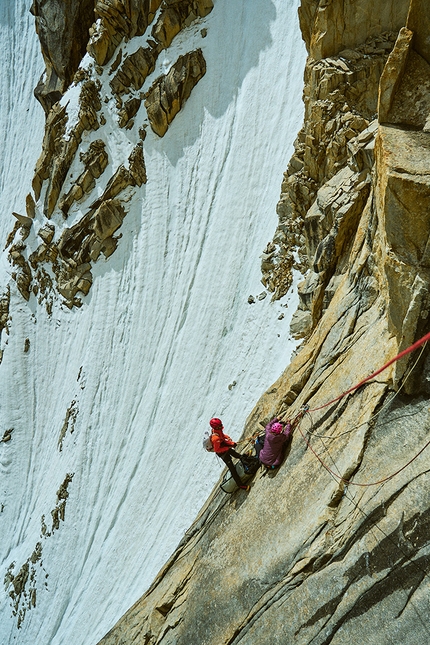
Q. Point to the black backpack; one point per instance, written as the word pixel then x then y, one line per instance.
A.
pixel 250 464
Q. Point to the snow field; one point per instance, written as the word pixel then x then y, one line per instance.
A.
pixel 165 329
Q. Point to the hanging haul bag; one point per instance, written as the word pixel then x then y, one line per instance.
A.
pixel 228 485
pixel 246 468
pixel 207 443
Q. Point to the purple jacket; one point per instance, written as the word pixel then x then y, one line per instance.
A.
pixel 271 453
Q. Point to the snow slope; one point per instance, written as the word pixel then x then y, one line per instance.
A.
pixel 166 328
pixel 21 116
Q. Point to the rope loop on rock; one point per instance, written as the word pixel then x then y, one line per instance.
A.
pixel 349 482
pixel 305 409
pixel 405 352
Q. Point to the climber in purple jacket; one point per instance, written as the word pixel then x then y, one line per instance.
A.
pixel 272 452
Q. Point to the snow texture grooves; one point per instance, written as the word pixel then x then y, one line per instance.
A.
pixel 164 331
pixel 21 116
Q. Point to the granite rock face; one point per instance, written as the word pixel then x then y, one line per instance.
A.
pixel 333 547
pixel 331 26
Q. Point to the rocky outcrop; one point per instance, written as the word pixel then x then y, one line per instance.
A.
pixel 69 423
pixel 60 261
pixel 341 97
pixel 72 253
pixel 22 586
pixel 330 27
pixel 115 20
pixel 4 316
pixel 403 169
pixel 168 93
pixel 133 72
pixel 119 19
pixel 333 547
pixel 60 146
pixel 95 161
pixel 177 14
pixel 63 30
pixel 22 272
pixel 57 258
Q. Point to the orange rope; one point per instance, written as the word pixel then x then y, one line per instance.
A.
pixel 405 352
pixel 305 409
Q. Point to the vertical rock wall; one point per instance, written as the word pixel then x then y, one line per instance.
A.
pixel 334 547
pixel 86 391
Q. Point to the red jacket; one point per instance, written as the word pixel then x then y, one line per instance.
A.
pixel 221 442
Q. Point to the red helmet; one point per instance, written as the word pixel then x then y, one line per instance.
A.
pixel 216 424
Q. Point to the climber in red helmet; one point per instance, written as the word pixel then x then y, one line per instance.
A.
pixel 224 448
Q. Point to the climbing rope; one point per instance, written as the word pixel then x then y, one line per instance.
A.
pixel 305 410
pixel 405 352
pixel 374 416
pixel 349 482
pixel 387 535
